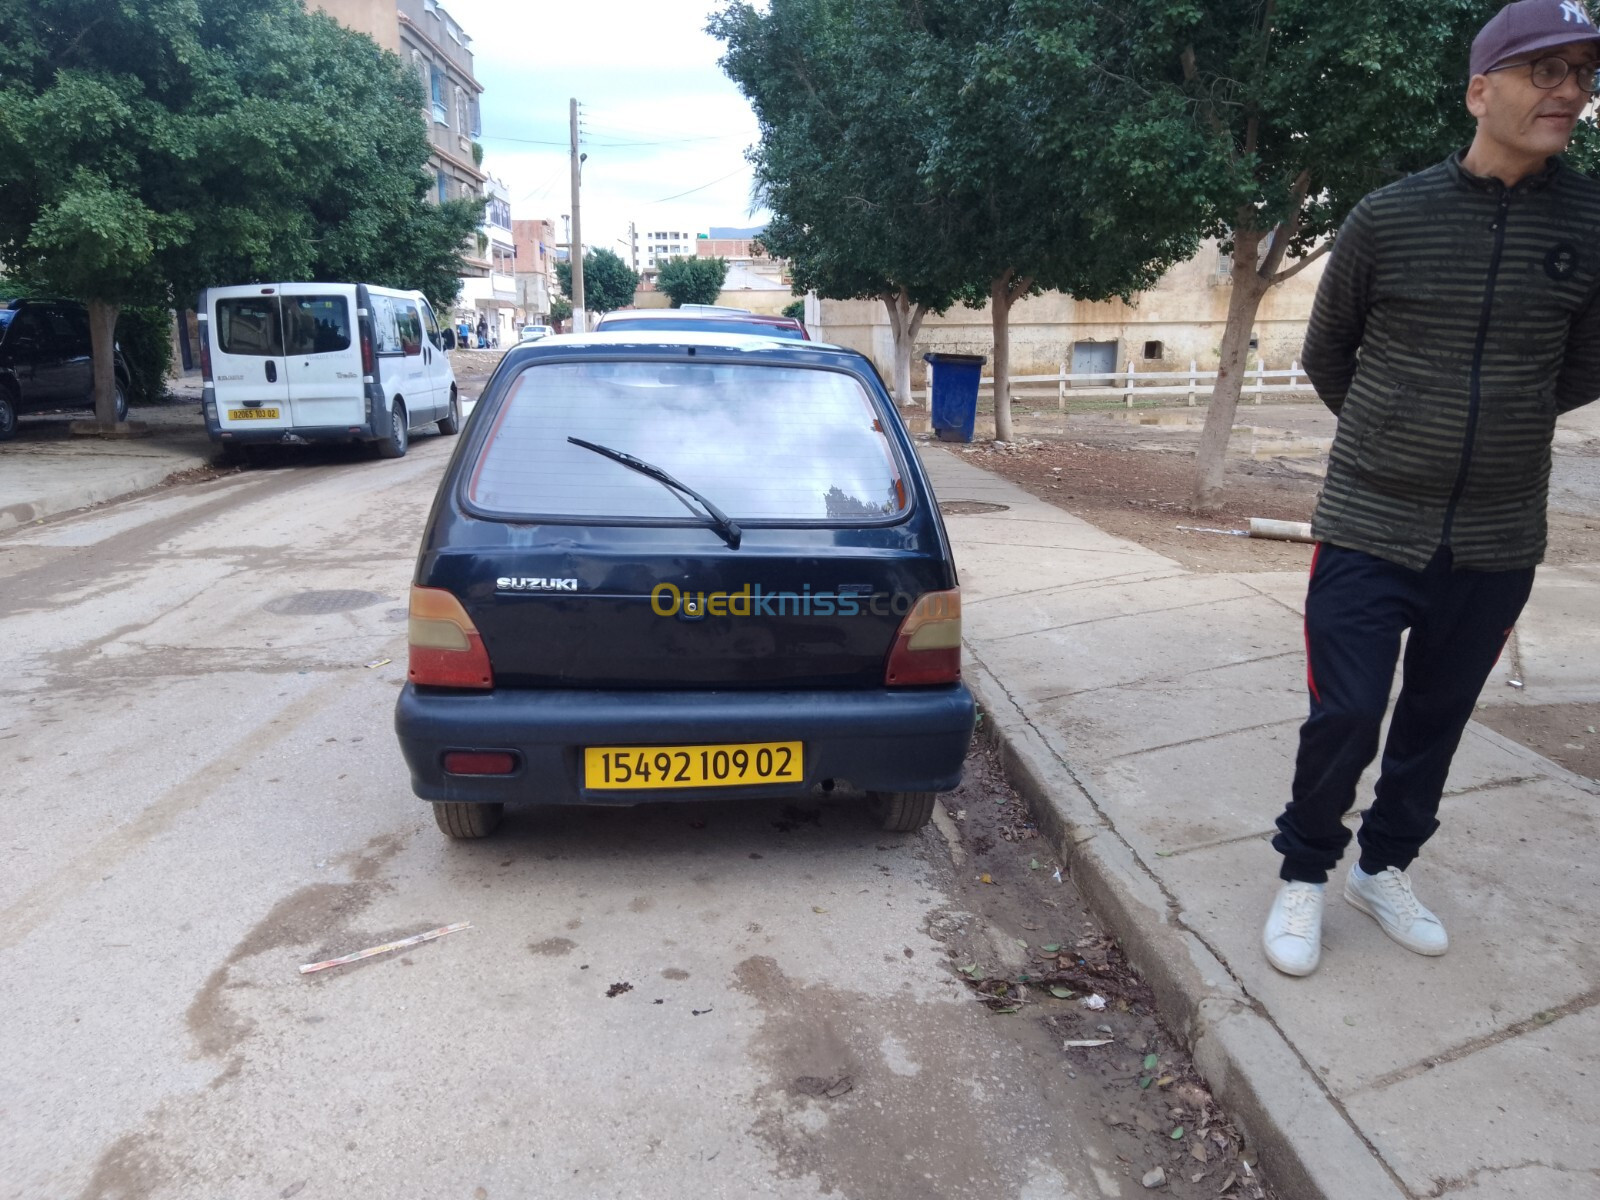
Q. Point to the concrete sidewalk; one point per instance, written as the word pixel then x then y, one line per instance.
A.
pixel 1150 714
pixel 45 470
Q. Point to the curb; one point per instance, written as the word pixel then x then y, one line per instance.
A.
pixel 13 516
pixel 1308 1147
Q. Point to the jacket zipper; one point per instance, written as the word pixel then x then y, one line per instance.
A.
pixel 1499 228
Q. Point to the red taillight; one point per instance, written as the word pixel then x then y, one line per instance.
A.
pixel 928 647
pixel 446 650
pixel 480 762
pixel 366 345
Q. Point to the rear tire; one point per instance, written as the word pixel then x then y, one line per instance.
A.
pixel 120 392
pixel 903 812
pixel 233 454
pixel 465 821
pixel 451 424
pixel 8 414
pixel 399 439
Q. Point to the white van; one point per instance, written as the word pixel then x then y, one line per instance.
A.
pixel 323 362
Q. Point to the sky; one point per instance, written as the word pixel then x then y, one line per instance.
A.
pixel 665 130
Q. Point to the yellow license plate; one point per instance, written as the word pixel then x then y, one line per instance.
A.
pixel 252 414
pixel 654 768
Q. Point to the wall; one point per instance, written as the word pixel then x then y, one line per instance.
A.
pixel 1186 312
pixel 375 18
pixel 768 303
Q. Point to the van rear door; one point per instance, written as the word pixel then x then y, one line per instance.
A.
pixel 322 346
pixel 247 360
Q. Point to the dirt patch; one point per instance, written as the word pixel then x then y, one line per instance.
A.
pixel 1133 475
pixel 1033 961
pixel 1563 733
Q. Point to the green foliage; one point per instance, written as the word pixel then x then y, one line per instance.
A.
pixel 145 335
pixel 560 309
pixel 692 280
pixel 607 282
pixel 150 150
pixel 797 310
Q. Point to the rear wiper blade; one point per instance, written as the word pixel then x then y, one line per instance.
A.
pixel 720 521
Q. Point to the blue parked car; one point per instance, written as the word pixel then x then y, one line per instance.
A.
pixel 704 566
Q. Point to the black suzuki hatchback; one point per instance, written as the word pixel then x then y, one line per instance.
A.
pixel 703 567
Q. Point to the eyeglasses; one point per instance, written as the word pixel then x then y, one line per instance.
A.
pixel 1550 73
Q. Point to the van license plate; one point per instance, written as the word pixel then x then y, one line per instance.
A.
pixel 655 768
pixel 252 414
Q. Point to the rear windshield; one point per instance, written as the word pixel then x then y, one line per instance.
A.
pixel 702 325
pixel 316 324
pixel 763 443
pixel 5 316
pixel 250 325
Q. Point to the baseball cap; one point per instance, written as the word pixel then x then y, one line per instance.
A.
pixel 1528 26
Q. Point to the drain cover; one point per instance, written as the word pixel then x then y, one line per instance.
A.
pixel 316 604
pixel 969 508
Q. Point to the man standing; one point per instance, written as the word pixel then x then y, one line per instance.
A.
pixel 1458 316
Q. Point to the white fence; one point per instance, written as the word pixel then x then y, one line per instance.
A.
pixel 1172 383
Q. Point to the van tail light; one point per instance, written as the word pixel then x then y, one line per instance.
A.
pixel 366 346
pixel 928 647
pixel 480 762
pixel 205 351
pixel 446 650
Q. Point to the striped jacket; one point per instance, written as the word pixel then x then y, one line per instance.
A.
pixel 1456 318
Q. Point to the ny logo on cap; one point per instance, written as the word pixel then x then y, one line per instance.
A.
pixel 1573 11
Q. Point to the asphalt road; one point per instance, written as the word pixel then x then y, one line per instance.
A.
pixel 200 791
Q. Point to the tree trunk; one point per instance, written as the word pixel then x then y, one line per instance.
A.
pixel 102 349
pixel 905 321
pixel 1248 287
pixel 1000 312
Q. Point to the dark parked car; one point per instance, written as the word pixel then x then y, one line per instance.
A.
pixel 702 567
pixel 45 362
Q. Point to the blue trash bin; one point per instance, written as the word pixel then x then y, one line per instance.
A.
pixel 955 394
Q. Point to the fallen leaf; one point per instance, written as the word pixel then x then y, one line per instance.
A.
pixel 1165 853
pixel 815 909
pixel 1051 948
pixel 1177 1133
pixel 1144 1082
pixel 1164 1081
pixel 984 879
pixel 1085 1043
pixel 1197 1151
pixel 1061 993
pixel 1150 1061
pixel 1033 863
pixel 1011 1009
pixel 969 970
pixel 1349 1020
pixel 1228 1182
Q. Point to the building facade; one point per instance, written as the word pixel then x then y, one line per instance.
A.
pixel 492 294
pixel 432 43
pixel 535 259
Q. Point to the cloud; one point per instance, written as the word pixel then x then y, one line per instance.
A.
pixel 659 117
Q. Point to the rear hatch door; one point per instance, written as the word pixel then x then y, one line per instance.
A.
pixel 322 350
pixel 581 572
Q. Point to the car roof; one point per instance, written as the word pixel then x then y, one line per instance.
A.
pixel 702 314
pixel 698 338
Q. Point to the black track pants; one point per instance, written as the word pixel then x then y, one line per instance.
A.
pixel 1357 605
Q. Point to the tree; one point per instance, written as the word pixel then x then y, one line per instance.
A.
pixel 692 280
pixel 148 151
pixel 796 310
pixel 1302 107
pixel 607 281
pixel 844 137
pixel 560 310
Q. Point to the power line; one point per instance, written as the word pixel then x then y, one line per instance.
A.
pixel 701 188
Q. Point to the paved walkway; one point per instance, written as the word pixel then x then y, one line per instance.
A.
pixel 45 470
pixel 1152 713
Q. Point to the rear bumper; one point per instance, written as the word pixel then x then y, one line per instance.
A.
pixel 879 740
pixel 293 436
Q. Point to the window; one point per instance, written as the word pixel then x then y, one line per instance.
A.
pixel 436 89
pixel 444 186
pixel 385 328
pixel 250 325
pixel 432 326
pixel 463 121
pixel 408 323
pixel 316 324
pixel 1153 349
pixel 1255 341
pixel 1224 262
pixel 719 428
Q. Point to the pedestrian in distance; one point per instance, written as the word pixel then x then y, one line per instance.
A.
pixel 1458 316
pixel 483 334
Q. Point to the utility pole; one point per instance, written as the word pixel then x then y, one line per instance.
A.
pixel 580 323
pixel 633 245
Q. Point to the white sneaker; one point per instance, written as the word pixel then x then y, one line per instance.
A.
pixel 1387 899
pixel 1293 936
